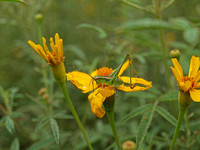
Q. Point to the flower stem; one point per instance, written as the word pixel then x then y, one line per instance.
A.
pixel 68 100
pixel 176 132
pixel 110 116
pixel 188 129
pixel 158 15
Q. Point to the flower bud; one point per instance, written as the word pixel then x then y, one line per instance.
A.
pixel 39 18
pixel 184 99
pixel 196 132
pixel 175 53
pixel 42 91
pixel 59 72
pixel 129 145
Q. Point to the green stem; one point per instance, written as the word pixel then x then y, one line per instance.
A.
pixel 68 100
pixel 188 129
pixel 110 116
pixel 180 119
pixel 162 42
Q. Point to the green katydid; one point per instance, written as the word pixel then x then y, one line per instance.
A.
pixel 113 79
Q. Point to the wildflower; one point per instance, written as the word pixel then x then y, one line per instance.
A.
pixel 100 89
pixel 188 84
pixel 55 58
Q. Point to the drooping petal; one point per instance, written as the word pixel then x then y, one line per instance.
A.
pixel 133 89
pixel 141 81
pixel 195 95
pixel 177 66
pixel 96 101
pixel 134 84
pixel 176 74
pixel 123 68
pixel 94 73
pixel 106 91
pixel 82 81
pixel 194 66
pixel 185 86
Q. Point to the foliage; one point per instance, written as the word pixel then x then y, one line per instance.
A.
pixel 33 114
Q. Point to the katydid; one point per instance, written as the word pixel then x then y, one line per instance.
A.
pixel 113 79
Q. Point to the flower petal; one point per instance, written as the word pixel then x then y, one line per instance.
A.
pixel 176 74
pixel 197 76
pixel 123 68
pixel 106 91
pixel 195 95
pixel 143 84
pixel 82 81
pixel 185 86
pixel 96 101
pixel 177 66
pixel 194 66
pixel 94 73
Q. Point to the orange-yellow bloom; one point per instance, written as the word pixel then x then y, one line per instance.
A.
pixel 100 91
pixel 188 84
pixel 54 58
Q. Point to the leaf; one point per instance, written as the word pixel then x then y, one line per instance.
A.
pixel 55 130
pixel 144 126
pixel 41 144
pixel 181 23
pixel 15 144
pixel 10 125
pixel 165 114
pixel 20 1
pixel 102 33
pixel 191 35
pixel 146 23
pixel 44 121
pixel 63 116
pixel 171 96
pixel 136 112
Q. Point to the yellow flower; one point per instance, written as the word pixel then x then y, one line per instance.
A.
pixel 54 58
pixel 100 91
pixel 188 84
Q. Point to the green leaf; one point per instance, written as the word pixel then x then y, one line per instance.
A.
pixel 102 33
pixel 20 1
pixel 43 121
pixel 15 144
pixel 181 23
pixel 191 35
pixel 41 144
pixel 165 114
pixel 146 23
pixel 136 112
pixel 55 130
pixel 171 96
pixel 10 125
pixel 144 126
pixel 63 116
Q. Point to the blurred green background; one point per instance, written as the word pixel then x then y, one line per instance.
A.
pixel 121 29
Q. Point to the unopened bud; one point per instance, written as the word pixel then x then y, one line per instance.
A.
pixel 45 96
pixel 42 91
pixel 39 18
pixel 175 53
pixel 129 145
pixel 183 139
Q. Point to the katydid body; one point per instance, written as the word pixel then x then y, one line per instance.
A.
pixel 113 79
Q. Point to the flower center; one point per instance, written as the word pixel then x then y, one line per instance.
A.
pixel 104 71
pixel 184 79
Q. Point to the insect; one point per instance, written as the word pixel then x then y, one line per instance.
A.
pixel 113 79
